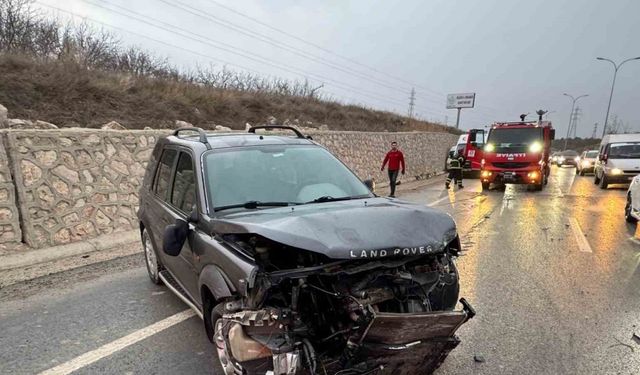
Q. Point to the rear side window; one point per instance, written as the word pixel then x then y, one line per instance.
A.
pixel 163 176
pixel 183 194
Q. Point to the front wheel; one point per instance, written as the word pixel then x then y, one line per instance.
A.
pixel 603 182
pixel 627 210
pixel 220 340
pixel 486 185
pixel 151 259
pixel 596 180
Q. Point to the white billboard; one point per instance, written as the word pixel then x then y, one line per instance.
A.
pixel 466 100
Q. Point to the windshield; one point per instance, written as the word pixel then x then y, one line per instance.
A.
pixel 504 138
pixel 592 154
pixel 289 174
pixel 624 151
pixel 570 153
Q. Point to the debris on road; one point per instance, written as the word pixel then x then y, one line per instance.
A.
pixel 620 343
pixel 636 337
pixel 479 358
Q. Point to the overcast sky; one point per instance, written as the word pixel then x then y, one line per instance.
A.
pixel 518 56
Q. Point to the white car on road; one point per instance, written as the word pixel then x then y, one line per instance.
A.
pixel 618 159
pixel 587 161
pixel 632 208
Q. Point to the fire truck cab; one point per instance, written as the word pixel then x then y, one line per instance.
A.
pixel 517 153
pixel 470 146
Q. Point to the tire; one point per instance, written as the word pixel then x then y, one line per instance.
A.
pixel 603 182
pixel 581 172
pixel 627 211
pixel 486 185
pixel 214 316
pixel 151 258
pixel 596 180
pixel 577 171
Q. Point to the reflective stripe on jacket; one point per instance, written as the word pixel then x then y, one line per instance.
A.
pixel 455 163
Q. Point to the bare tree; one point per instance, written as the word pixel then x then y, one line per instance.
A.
pixel 617 126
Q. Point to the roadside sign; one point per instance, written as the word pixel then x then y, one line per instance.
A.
pixel 465 100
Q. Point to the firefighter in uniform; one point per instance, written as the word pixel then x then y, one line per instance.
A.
pixel 454 164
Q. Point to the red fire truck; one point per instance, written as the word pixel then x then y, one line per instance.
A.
pixel 470 146
pixel 517 153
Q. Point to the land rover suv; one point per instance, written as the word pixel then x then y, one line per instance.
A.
pixel 293 263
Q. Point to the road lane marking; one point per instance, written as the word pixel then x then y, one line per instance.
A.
pixel 583 244
pixel 438 201
pixel 119 344
pixel 572 178
pixel 634 240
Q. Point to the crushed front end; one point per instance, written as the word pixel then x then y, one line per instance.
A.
pixel 308 314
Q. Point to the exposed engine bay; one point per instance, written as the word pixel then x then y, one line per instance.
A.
pixel 308 314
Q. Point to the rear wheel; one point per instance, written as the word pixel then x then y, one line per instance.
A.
pixel 486 185
pixel 627 210
pixel 151 259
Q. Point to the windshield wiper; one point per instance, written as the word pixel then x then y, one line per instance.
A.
pixel 328 198
pixel 255 204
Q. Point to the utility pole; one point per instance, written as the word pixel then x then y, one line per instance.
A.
pixel 613 84
pixel 412 102
pixel 595 131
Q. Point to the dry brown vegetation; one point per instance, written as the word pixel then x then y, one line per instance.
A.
pixel 75 75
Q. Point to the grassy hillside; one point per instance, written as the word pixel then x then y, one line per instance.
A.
pixel 77 75
pixel 68 94
pixel 576 144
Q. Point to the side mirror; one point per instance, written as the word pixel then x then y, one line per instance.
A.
pixel 604 158
pixel 193 216
pixel 174 237
pixel 370 184
pixel 552 134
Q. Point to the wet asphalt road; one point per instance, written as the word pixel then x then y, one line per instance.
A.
pixel 548 300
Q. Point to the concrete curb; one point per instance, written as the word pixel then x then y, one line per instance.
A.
pixel 50 254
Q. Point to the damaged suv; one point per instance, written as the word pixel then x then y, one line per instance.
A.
pixel 292 262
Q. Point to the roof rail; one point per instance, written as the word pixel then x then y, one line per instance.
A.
pixel 202 135
pixel 270 127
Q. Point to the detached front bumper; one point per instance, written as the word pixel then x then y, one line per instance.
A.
pixel 393 343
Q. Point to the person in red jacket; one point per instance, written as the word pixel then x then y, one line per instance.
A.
pixel 395 158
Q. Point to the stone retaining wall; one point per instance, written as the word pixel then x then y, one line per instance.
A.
pixel 76 184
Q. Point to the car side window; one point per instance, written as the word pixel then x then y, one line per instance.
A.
pixel 183 194
pixel 163 175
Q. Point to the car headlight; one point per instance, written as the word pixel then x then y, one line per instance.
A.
pixel 616 171
pixel 535 147
pixel 561 159
pixel 586 163
pixel 489 147
pixel 577 159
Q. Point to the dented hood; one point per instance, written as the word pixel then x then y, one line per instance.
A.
pixel 354 229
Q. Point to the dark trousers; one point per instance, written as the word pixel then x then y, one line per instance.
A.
pixel 455 174
pixel 393 175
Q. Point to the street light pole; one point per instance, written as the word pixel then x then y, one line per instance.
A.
pixel 616 67
pixel 573 104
